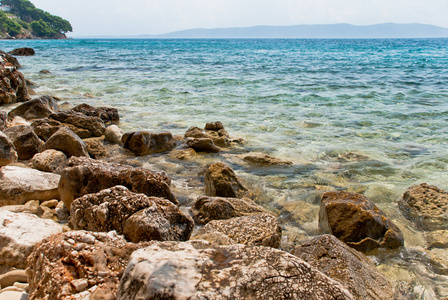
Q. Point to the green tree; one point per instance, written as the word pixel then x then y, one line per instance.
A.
pixel 42 29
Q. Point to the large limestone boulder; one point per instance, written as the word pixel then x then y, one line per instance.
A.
pixel 25 141
pixel 19 233
pixel 12 83
pixel 358 222
pixel 221 181
pixel 19 185
pixel 86 176
pixel 426 205
pixel 78 265
pixel 199 270
pixel 8 153
pixel 206 209
pixel 109 115
pixel 351 268
pixel 38 108
pixel 50 160
pixel 261 230
pixel 93 124
pixel 137 216
pixel 65 140
pixel 144 142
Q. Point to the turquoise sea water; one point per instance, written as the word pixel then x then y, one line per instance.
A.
pixel 362 115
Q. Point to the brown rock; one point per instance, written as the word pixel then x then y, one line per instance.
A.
pixel 8 153
pixel 10 59
pixel 358 222
pixel 264 159
pixel 113 134
pixel 86 176
pixel 202 145
pixel 93 124
pixel 214 126
pixel 66 141
pixel 38 108
pixel 12 84
pixel 221 181
pixel 183 154
pixel 95 148
pixel 50 160
pixel 3 120
pixel 196 132
pixel 25 51
pixel 25 141
pixel 144 142
pixel 45 128
pixel 109 115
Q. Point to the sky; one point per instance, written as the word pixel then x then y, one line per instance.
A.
pixel 137 17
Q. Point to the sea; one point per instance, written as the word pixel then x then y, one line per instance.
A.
pixel 362 115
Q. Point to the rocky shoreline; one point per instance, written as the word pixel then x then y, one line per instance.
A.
pixel 81 217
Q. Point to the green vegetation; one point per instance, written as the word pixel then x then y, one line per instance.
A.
pixel 25 16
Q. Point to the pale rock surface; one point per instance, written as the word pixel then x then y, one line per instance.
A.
pixel 8 153
pixel 50 160
pixel 113 134
pixel 13 293
pixel 437 238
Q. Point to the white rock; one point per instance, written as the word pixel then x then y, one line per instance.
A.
pixel 113 134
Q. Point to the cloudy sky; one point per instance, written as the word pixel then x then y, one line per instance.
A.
pixel 134 17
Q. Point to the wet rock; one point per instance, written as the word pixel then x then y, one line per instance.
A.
pixel 93 124
pixel 358 222
pixel 202 145
pixel 196 132
pixel 214 126
pixel 265 160
pixel 8 153
pixel 12 84
pixel 95 148
pixel 221 181
pixel 3 120
pixel 351 268
pixel 19 233
pixel 206 209
pixel 426 205
pixel 137 216
pixel 25 51
pixel 144 142
pixel 10 59
pixel 109 115
pixel 50 160
pixel 199 270
pixel 78 265
pixel 44 71
pixel 25 141
pixel 183 154
pixel 261 229
pixel 38 108
pixel 113 134
pixel 86 176
pixel 65 140
pixel 437 239
pixel 19 185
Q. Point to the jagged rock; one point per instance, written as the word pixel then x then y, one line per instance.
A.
pixel 144 142
pixel 38 108
pixel 426 205
pixel 199 270
pixel 19 185
pixel 19 233
pixel 45 128
pixel 221 181
pixel 50 160
pixel 78 265
pixel 264 159
pixel 3 120
pixel 10 59
pixel 25 141
pixel 66 141
pixel 95 148
pixel 113 134
pixel 12 84
pixel 358 222
pixel 86 176
pixel 109 115
pixel 202 145
pixel 137 216
pixel 196 132
pixel 206 209
pixel 351 268
pixel 25 51
pixel 93 124
pixel 261 229
pixel 8 153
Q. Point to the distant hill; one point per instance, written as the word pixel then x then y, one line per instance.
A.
pixel 386 30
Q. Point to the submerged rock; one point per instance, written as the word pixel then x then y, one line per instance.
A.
pixel 109 115
pixel 221 181
pixel 265 160
pixel 144 142
pixel 25 141
pixel 38 108
pixel 25 51
pixel 67 141
pixel 8 153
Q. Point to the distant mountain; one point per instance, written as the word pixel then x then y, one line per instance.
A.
pixel 386 30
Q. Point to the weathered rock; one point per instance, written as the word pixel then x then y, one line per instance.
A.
pixel 214 126
pixel 18 121
pixel 109 115
pixel 30 207
pixel 358 222
pixel 13 293
pixel 50 160
pixel 38 108
pixel 19 185
pixel 351 268
pixel 183 154
pixel 199 270
pixel 206 209
pixel 95 148
pixel 8 153
pixel 261 230
pixel 47 213
pixel 265 160
pixel 426 205
pixel 12 84
pixel 113 134
pixel 45 128
pixel 25 51
pixel 437 239
pixel 202 145
pixel 25 141
pixel 196 132
pixel 67 141
pixel 144 142
pixel 11 277
pixel 221 181
pixel 137 216
pixel 44 71
pixel 86 176
pixel 93 124
pixel 78 265
pixel 19 233
pixel 62 212
pixel 3 120
pixel 10 59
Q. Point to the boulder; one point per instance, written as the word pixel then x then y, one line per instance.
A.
pixel 95 148
pixel 426 205
pixel 144 142
pixel 265 160
pixel 25 51
pixel 45 128
pixel 12 84
pixel 351 268
pixel 183 154
pixel 38 108
pixel 221 181
pixel 93 124
pixel 202 145
pixel 67 141
pixel 109 115
pixel 261 230
pixel 10 59
pixel 214 126
pixel 86 176
pixel 8 153
pixel 206 209
pixel 356 221
pixel 19 233
pixel 50 160
pixel 200 270
pixel 136 216
pixel 78 265
pixel 25 141
pixel 196 132
pixel 19 185
pixel 113 134
pixel 3 120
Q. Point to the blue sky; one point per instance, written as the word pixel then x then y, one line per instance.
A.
pixel 134 17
